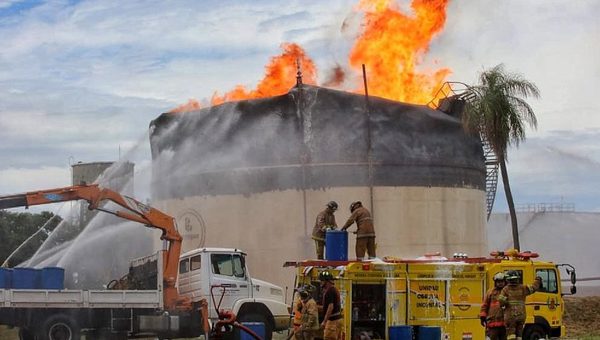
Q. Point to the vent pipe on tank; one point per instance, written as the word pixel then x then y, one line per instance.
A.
pixel 369 144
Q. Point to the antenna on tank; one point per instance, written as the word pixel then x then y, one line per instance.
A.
pixel 298 73
pixel 369 141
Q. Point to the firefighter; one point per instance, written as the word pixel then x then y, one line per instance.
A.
pixel 331 304
pixel 512 298
pixel 325 221
pixel 492 315
pixel 365 233
pixel 297 320
pixel 310 316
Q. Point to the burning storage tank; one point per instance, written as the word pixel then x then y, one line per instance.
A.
pixel 254 174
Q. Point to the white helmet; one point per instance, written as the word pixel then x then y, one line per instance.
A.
pixel 499 277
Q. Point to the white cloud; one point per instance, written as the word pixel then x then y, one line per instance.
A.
pixel 17 180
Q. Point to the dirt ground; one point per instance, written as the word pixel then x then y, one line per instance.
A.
pixel 582 318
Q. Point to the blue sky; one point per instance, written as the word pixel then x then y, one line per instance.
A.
pixel 81 80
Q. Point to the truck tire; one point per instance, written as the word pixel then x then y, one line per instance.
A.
pixel 25 334
pixel 255 317
pixel 534 332
pixel 60 327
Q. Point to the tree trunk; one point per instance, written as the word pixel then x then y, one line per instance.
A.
pixel 511 205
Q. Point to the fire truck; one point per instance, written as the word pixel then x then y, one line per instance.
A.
pixel 433 291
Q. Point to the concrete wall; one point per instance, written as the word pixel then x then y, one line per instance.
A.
pixel 275 226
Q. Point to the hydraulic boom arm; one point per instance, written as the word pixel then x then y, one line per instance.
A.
pixel 134 211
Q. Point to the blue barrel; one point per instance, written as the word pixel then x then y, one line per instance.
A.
pixel 429 333
pixel 53 278
pixel 336 245
pixel 26 278
pixel 5 278
pixel 256 327
pixel 400 332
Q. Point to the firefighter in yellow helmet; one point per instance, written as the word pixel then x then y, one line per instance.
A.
pixel 365 233
pixel 325 221
pixel 512 298
pixel 491 314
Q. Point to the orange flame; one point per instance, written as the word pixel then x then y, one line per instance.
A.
pixel 392 45
pixel 191 105
pixel 280 76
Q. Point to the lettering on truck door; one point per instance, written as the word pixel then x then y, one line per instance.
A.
pixel 427 299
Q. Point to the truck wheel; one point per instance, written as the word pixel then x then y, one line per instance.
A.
pixel 60 327
pixel 25 334
pixel 256 318
pixel 534 332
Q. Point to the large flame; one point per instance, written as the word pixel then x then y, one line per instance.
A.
pixel 280 76
pixel 392 44
pixel 191 105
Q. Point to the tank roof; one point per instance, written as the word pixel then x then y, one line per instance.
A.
pixel 311 137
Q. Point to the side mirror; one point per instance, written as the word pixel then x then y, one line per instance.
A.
pixel 573 290
pixel 573 277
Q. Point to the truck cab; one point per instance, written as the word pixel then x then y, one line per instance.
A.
pixel 220 276
pixel 545 307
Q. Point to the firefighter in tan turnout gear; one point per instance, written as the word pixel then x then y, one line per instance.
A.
pixel 512 298
pixel 309 327
pixel 325 221
pixel 365 233
pixel 492 315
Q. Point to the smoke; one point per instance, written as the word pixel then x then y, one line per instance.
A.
pixel 95 248
pixel 336 77
pixel 578 158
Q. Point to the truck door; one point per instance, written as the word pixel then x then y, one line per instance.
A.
pixel 547 301
pixel 395 301
pixel 228 273
pixel 345 288
pixel 190 277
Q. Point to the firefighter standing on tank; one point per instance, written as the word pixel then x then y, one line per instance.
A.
pixel 325 221
pixel 512 298
pixel 365 233
pixel 492 315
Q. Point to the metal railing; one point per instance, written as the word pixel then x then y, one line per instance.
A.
pixel 545 207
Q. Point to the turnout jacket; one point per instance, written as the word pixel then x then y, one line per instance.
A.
pixel 491 309
pixel 325 219
pixel 364 223
pixel 512 297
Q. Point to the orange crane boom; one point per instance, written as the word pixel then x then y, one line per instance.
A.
pixel 135 211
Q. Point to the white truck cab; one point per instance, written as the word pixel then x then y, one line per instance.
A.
pixel 223 271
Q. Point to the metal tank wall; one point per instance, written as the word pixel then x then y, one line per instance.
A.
pixel 254 174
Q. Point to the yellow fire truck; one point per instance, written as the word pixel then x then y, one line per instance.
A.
pixel 438 292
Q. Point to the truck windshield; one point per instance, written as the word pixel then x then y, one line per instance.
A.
pixel 228 264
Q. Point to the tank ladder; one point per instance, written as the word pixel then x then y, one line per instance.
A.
pixel 460 92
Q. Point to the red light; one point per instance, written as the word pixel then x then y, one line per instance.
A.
pixel 366 266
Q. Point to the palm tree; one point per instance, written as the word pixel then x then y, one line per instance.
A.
pixel 497 109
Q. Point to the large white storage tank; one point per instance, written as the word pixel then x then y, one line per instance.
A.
pixel 254 174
